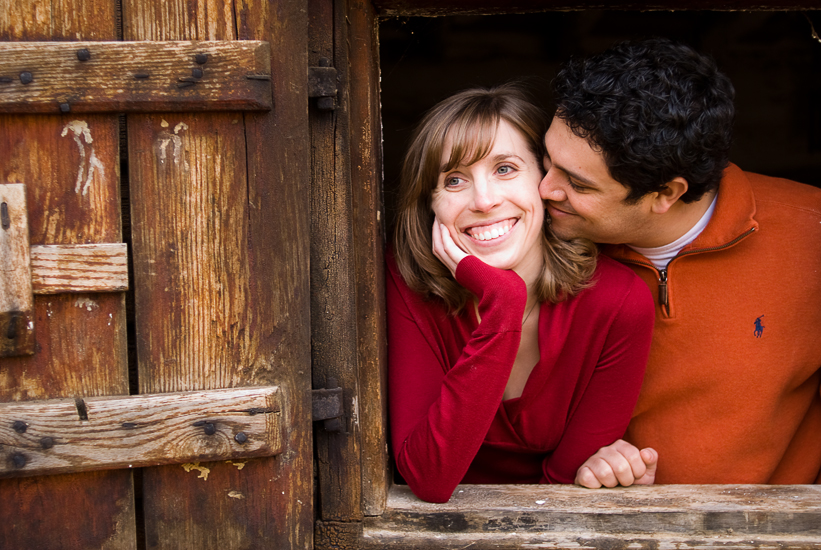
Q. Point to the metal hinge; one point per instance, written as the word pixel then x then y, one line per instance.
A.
pixel 326 405
pixel 322 84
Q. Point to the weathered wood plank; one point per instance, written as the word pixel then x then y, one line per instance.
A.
pixel 67 436
pixel 78 352
pixel 333 281
pixel 16 298
pixel 230 245
pixel 566 516
pixel 409 8
pixel 112 77
pixel 366 185
pixel 79 268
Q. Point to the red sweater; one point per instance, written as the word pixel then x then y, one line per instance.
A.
pixel 731 393
pixel 447 376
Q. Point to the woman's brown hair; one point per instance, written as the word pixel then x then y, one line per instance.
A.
pixel 470 119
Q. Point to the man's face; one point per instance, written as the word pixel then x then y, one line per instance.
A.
pixel 583 200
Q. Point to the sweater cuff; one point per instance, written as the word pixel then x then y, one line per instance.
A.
pixel 501 293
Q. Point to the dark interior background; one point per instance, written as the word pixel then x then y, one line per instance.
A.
pixel 772 58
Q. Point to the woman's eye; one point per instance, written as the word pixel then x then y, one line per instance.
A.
pixel 452 181
pixel 504 170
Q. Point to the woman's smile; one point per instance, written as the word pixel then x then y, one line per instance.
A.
pixel 491 232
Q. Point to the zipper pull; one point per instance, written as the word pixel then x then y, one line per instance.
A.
pixel 663 287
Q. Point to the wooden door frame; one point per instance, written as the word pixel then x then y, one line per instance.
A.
pixel 488 516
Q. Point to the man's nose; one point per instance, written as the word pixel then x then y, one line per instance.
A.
pixel 550 189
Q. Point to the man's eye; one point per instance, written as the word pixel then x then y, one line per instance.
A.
pixel 576 187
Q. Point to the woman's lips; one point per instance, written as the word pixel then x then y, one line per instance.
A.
pixel 491 231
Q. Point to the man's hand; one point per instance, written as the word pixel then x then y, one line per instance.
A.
pixel 618 464
pixel 445 249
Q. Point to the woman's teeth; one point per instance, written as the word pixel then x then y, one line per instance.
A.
pixel 490 232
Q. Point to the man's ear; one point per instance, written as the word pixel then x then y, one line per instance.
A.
pixel 667 197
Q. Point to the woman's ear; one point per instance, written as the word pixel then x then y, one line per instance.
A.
pixel 667 197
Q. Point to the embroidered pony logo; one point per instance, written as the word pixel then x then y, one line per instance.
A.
pixel 759 328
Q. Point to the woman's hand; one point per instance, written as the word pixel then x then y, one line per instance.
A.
pixel 618 464
pixel 445 249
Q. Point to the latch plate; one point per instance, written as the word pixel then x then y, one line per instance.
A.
pixel 326 406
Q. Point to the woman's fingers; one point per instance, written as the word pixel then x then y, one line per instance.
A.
pixel 445 248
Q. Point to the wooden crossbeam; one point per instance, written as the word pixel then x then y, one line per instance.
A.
pixel 79 268
pixel 74 435
pixel 106 77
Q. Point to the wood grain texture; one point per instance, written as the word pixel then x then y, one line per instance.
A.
pixel 566 516
pixel 16 298
pixel 71 168
pixel 333 284
pixel 366 185
pixel 134 76
pixel 432 8
pixel 68 436
pixel 56 269
pixel 220 261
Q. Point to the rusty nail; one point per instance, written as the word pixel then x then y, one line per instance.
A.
pixel 18 459
pixel 258 76
pixel 65 107
pixel 129 425
pixel 241 438
pixel 47 443
pixel 26 77
pixel 83 54
pixel 186 82
pixel 19 426
pixel 201 58
pixel 5 220
pixel 209 428
pixel 199 423
pixel 140 76
pixel 196 73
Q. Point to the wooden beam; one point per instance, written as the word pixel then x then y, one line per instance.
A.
pixel 56 269
pixel 567 516
pixel 112 77
pixel 16 300
pixel 434 8
pixel 75 435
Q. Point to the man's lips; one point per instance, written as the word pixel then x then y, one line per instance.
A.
pixel 558 211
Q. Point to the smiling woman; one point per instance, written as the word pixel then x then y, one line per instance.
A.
pixel 543 366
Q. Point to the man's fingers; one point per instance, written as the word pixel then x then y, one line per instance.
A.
pixel 651 459
pixel 586 478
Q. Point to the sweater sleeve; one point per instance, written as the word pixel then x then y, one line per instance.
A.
pixel 607 403
pixel 440 413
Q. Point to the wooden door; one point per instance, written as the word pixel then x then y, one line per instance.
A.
pixel 215 210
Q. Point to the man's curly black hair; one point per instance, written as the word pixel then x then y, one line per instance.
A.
pixel 656 110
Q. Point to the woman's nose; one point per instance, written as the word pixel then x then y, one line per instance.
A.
pixel 485 196
pixel 550 189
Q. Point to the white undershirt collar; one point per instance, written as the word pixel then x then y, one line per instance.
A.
pixel 660 256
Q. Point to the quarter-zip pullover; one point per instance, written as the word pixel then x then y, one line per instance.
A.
pixel 731 393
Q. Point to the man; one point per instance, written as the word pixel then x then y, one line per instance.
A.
pixel 637 159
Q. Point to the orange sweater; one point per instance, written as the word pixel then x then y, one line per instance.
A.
pixel 731 393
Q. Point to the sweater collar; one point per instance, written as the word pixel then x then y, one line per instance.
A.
pixel 732 219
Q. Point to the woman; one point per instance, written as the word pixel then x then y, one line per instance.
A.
pixel 513 356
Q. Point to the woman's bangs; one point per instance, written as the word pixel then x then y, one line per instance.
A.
pixel 471 140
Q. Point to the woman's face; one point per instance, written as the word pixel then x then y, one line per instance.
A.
pixel 492 207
